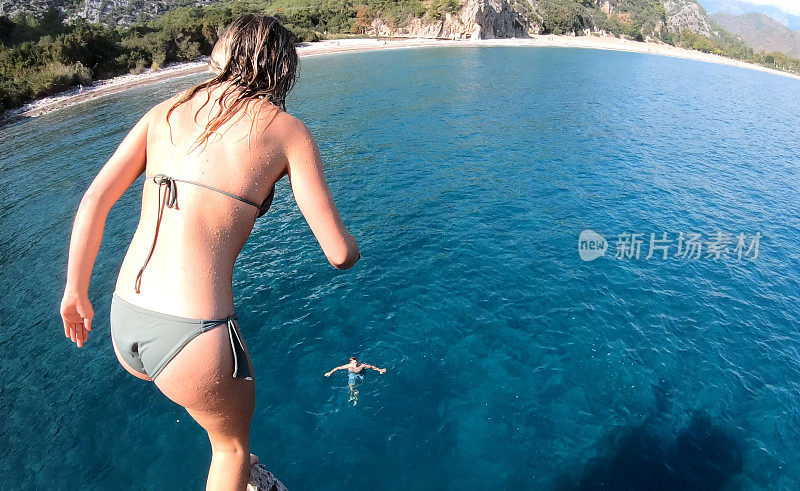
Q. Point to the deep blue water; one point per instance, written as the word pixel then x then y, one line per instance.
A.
pixel 467 176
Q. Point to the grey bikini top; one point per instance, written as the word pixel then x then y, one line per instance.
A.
pixel 170 200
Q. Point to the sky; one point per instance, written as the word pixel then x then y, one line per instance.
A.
pixel 788 6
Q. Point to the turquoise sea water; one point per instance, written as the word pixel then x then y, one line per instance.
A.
pixel 467 176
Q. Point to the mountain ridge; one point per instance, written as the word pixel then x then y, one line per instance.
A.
pixel 761 32
pixel 739 7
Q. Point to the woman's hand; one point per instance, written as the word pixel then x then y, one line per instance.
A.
pixel 328 374
pixel 77 313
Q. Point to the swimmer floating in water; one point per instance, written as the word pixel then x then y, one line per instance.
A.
pixel 355 373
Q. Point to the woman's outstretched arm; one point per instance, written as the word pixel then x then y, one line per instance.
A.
pixel 314 198
pixel 121 170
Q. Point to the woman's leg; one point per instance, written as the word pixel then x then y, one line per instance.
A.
pixel 199 378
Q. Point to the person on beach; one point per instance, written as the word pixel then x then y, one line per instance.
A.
pixel 211 156
pixel 355 374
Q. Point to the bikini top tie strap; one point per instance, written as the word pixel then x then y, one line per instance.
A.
pixel 243 200
pixel 171 192
pixel 170 200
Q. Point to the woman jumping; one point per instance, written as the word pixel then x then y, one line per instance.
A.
pixel 211 156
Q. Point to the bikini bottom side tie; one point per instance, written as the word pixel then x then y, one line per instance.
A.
pixel 241 368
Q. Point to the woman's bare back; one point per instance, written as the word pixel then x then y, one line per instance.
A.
pixel 190 271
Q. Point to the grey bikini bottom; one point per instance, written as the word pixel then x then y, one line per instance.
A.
pixel 149 340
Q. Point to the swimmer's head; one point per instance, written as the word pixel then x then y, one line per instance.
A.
pixel 353 359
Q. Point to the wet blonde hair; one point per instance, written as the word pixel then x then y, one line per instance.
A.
pixel 259 60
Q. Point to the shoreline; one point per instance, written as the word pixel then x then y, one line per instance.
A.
pixel 350 45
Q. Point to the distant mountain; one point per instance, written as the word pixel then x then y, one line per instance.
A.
pixel 762 33
pixel 737 7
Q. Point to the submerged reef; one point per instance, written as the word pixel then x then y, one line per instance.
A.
pixel 702 455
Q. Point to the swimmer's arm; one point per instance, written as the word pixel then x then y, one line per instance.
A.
pixel 121 170
pixel 381 370
pixel 314 198
pixel 328 374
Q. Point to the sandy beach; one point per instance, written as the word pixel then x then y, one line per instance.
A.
pixel 125 82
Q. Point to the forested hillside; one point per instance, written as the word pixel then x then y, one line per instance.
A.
pixel 49 46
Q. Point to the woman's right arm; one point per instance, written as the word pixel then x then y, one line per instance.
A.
pixel 315 200
pixel 116 176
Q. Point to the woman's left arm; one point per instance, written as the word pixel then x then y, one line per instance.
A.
pixel 121 170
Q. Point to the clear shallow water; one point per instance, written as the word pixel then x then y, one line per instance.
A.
pixel 467 175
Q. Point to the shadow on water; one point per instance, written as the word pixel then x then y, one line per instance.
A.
pixel 702 455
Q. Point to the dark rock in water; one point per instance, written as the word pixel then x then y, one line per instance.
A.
pixel 701 456
pixel 263 480
pixel 704 455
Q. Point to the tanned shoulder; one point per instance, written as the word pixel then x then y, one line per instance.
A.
pixel 296 133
